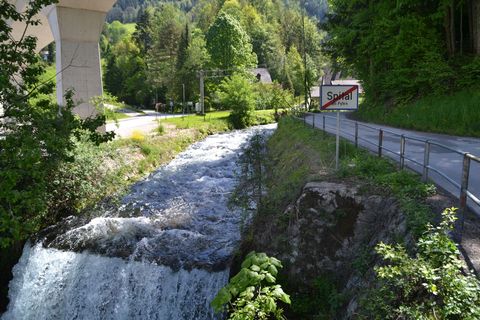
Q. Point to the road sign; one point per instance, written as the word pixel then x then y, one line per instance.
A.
pixel 335 98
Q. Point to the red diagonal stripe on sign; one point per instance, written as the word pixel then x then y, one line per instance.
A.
pixel 340 97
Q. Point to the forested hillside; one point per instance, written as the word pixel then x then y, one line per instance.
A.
pixel 173 42
pixel 128 10
pixel 406 50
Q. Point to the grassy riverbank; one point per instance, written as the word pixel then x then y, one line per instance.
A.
pixel 455 114
pixel 300 154
pixel 296 155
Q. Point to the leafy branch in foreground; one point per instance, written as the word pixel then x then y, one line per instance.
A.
pixel 36 136
pixel 432 285
pixel 252 293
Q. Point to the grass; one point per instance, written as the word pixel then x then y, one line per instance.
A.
pixel 299 154
pixel 214 122
pixel 456 114
pixel 114 116
pixel 383 177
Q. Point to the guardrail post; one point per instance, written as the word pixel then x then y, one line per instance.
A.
pixel 380 142
pixel 465 177
pixel 426 161
pixel 463 195
pixel 402 151
pixel 356 134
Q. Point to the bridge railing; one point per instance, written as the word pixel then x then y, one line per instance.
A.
pixel 460 183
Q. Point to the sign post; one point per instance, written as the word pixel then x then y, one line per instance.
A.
pixel 339 98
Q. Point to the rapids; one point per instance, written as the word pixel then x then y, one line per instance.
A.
pixel 162 254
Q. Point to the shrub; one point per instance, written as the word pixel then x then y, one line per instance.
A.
pixel 252 293
pixel 160 129
pixel 430 285
pixel 236 93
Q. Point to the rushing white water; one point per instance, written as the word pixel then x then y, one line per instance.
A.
pixel 53 284
pixel 163 254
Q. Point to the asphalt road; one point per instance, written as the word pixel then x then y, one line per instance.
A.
pixel 444 160
pixel 144 123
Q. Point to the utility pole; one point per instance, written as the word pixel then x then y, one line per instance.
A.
pixel 183 96
pixel 202 91
pixel 304 42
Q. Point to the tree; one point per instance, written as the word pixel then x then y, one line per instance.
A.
pixel 294 71
pixel 403 50
pixel 196 58
pixel 183 47
pixel 236 93
pixel 143 31
pixel 36 134
pixel 229 45
pixel 125 74
pixel 167 27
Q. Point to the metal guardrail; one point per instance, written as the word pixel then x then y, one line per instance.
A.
pixel 463 187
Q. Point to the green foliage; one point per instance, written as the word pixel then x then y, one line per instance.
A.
pixel 455 114
pixel 252 293
pixel 431 285
pixel 416 59
pixel 126 75
pixel 406 186
pixel 36 135
pixel 143 31
pixel 273 96
pixel 228 44
pixel 220 34
pixel 249 189
pixel 319 302
pixel 215 122
pixel 236 93
pixel 296 154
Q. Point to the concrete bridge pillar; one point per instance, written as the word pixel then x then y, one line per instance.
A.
pixel 76 33
pixel 75 25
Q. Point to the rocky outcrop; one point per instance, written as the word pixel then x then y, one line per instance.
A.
pixel 332 229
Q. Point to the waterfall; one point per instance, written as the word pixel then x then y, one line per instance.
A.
pixel 162 254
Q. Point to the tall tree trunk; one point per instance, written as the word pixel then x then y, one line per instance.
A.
pixel 475 26
pixel 449 23
pixel 461 29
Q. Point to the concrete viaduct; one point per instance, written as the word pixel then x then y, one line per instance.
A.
pixel 75 26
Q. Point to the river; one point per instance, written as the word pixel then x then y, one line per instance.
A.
pixel 163 253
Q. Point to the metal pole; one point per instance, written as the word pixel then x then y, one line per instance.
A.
pixel 202 91
pixel 380 142
pixel 313 121
pixel 402 151
pixel 356 134
pixel 426 161
pixel 323 122
pixel 183 96
pixel 337 151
